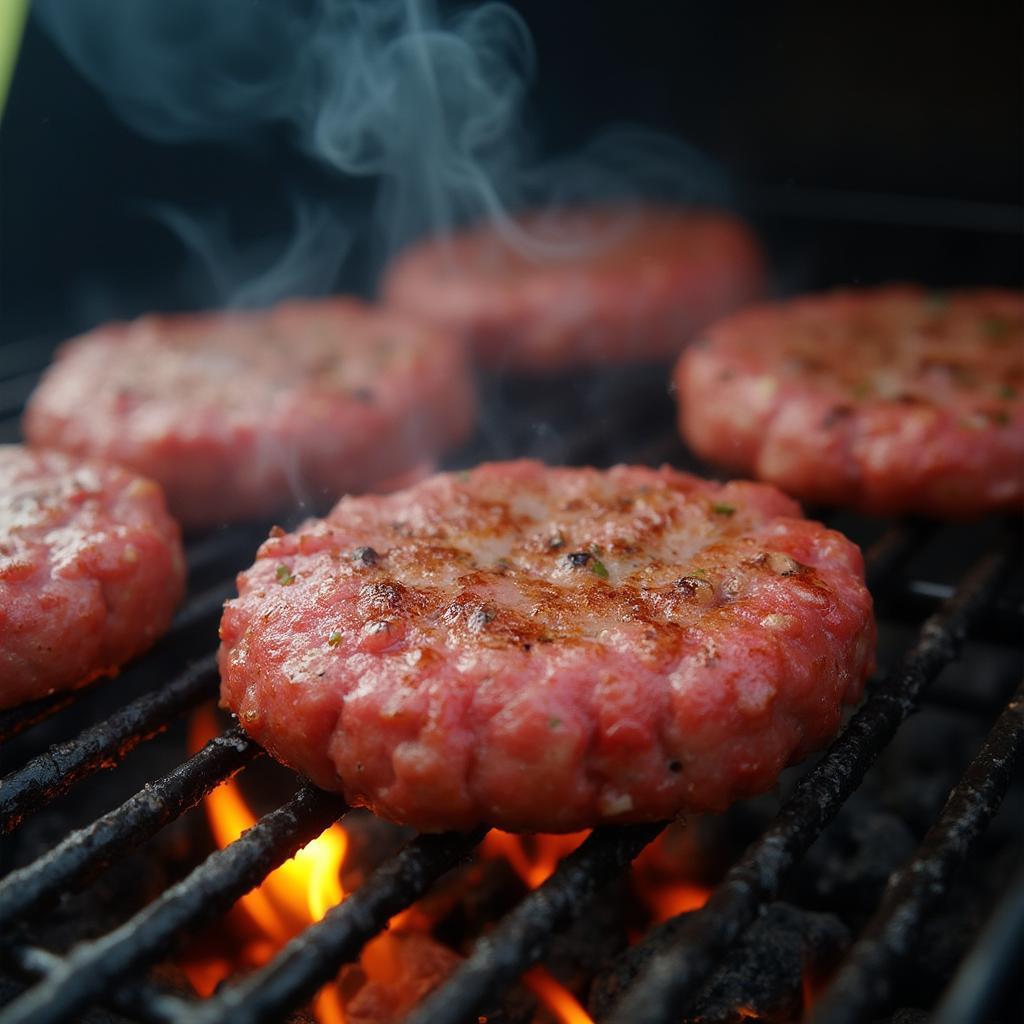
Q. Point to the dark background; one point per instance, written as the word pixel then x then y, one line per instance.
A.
pixel 867 144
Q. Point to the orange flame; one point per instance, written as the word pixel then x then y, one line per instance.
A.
pixel 533 858
pixel 558 999
pixel 292 897
pixel 302 890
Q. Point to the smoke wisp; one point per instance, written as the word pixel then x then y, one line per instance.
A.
pixel 432 107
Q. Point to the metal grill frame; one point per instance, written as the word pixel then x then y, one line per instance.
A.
pixel 106 970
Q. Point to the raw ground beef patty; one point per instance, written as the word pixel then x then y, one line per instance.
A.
pixel 560 290
pixel 548 649
pixel 91 570
pixel 240 414
pixel 890 400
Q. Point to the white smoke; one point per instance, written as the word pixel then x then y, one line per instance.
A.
pixel 305 261
pixel 430 107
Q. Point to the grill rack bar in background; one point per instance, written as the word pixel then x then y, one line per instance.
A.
pixel 674 977
pixel 893 550
pixel 92 968
pixel 975 986
pixel 140 1000
pixel 85 852
pixel 863 983
pixel 55 771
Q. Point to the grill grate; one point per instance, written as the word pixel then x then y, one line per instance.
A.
pixel 86 852
pixel 54 772
pixel 94 967
pixel 627 418
pixel 864 980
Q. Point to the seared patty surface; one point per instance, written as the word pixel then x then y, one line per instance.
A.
pixel 548 649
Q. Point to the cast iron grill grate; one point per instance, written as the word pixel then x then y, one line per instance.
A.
pixel 586 419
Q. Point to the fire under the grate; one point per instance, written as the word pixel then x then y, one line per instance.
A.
pixel 124 904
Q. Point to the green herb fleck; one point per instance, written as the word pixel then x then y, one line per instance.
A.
pixel 334 639
pixel 937 301
pixel 1001 418
pixel 699 572
pixel 284 576
pixel 861 389
pixel 722 509
pixel 554 723
pixel 462 475
pixel 597 567
pixel 1008 391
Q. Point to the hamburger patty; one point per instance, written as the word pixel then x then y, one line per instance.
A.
pixel 91 570
pixel 595 286
pixel 889 400
pixel 548 649
pixel 240 414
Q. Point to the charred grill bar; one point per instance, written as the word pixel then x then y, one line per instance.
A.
pixel 85 853
pixel 52 774
pixel 107 970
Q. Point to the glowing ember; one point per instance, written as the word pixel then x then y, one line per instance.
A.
pixel 668 900
pixel 809 989
pixel 660 876
pixel 559 1000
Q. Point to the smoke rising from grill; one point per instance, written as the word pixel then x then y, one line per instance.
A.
pixel 430 106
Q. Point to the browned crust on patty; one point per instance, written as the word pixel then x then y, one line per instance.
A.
pixel 548 649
